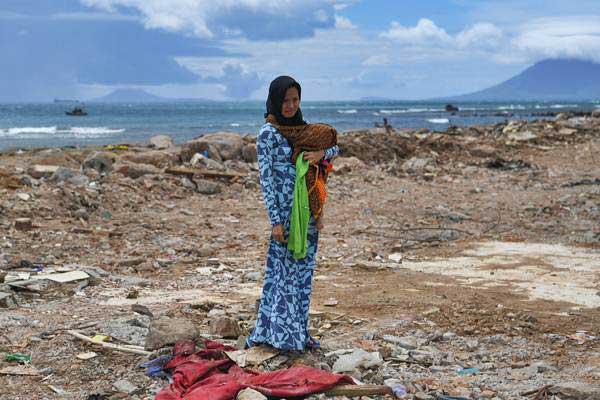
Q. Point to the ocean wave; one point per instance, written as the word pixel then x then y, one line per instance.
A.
pixel 512 107
pixel 438 120
pixel 54 131
pixel 563 105
pixel 409 110
pixel 234 124
pixel 353 111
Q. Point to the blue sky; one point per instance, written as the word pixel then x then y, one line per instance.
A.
pixel 232 49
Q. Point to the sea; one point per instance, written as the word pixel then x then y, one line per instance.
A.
pixel 39 125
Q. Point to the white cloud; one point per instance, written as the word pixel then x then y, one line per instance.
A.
pixel 377 60
pixel 572 37
pixel 428 35
pixel 480 35
pixel 343 23
pixel 425 32
pixel 93 16
pixel 214 19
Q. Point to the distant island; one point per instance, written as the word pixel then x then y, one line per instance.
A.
pixel 548 80
pixel 140 96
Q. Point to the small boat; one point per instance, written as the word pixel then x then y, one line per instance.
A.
pixel 76 112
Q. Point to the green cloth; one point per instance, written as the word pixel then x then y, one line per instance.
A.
pixel 298 237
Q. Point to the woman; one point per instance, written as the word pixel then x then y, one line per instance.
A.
pixel 282 320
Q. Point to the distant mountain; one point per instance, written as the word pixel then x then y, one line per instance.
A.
pixel 375 98
pixel 129 95
pixel 554 79
pixel 140 96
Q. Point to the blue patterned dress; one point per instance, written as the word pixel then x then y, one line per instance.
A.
pixel 283 314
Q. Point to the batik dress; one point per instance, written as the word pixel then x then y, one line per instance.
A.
pixel 282 318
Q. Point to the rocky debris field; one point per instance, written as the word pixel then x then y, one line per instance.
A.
pixel 457 264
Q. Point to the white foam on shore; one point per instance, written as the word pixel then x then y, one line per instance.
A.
pixel 563 105
pixel 512 107
pixel 34 132
pixel 410 110
pixel 353 111
pixel 438 120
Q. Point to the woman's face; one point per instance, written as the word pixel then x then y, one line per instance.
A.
pixel 291 103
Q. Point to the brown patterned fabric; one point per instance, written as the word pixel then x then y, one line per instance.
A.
pixel 309 137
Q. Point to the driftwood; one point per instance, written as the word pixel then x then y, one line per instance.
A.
pixel 117 347
pixel 359 390
pixel 191 172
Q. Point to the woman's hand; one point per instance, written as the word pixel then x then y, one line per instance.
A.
pixel 313 157
pixel 277 233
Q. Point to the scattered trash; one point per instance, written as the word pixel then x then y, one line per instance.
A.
pixel 467 371
pixel 86 356
pixel 18 357
pixel 358 358
pixel 331 302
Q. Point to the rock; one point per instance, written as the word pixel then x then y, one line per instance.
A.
pixel 134 170
pixel 42 171
pixel 206 162
pixel 358 358
pixel 229 145
pixel 562 116
pixel 165 331
pixel 252 276
pixel 55 157
pixel 205 250
pixel 160 142
pixel 576 391
pixel 124 386
pixel 199 146
pixel 67 175
pixel 205 186
pixel 344 165
pixel 7 300
pixel 101 161
pixel 225 327
pixel 249 153
pixel 406 342
pixel 250 394
pixel 395 257
pixel 567 131
pixel 422 357
pixel 524 136
pixel 23 224
pixel 596 113
pixel 156 158
pixel 544 367
pixel 82 214
pixel 423 396
pixel 417 165
pixel 483 151
pixel 23 196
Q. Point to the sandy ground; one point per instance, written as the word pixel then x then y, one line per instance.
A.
pixel 505 260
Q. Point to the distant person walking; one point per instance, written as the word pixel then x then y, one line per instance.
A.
pixel 282 320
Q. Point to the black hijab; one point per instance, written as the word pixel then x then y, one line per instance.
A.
pixel 277 90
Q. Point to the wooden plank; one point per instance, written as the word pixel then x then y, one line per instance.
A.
pixel 116 347
pixel 359 390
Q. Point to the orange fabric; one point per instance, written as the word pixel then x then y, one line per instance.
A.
pixel 320 190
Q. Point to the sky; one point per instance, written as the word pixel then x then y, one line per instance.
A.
pixel 232 49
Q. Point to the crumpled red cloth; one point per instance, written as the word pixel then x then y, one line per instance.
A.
pixel 209 375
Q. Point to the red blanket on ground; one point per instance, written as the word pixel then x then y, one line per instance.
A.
pixel 209 375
